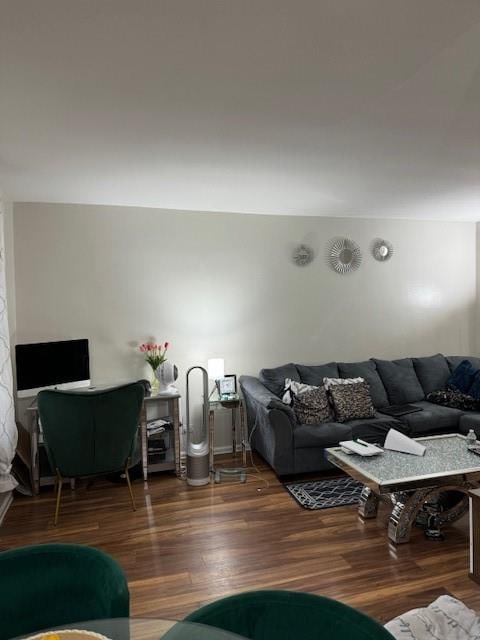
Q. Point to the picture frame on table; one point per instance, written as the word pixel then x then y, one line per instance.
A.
pixel 227 385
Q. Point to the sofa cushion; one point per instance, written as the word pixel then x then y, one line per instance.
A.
pixel 368 371
pixel 432 419
pixel 314 375
pixel 274 379
pixel 454 361
pixel 331 433
pixel 400 380
pixel 375 431
pixel 324 435
pixel 432 372
pixel 470 420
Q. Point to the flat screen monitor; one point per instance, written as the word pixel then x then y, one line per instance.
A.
pixel 52 365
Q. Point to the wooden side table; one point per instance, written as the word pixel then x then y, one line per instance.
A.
pixel 235 404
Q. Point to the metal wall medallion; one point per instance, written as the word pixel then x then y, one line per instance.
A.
pixel 382 250
pixel 303 255
pixel 344 255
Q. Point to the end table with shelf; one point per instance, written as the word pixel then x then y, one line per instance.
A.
pixel 161 449
pixel 234 402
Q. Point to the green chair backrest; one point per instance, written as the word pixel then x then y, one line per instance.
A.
pixel 88 433
pixel 288 615
pixel 54 584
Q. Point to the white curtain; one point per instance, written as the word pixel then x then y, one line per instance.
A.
pixel 8 429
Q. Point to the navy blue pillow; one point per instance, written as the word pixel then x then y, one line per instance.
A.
pixel 474 390
pixel 462 377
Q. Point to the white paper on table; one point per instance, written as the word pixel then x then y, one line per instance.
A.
pixel 396 441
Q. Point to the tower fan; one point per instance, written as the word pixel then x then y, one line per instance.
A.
pixel 198 469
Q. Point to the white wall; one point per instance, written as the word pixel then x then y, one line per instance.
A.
pixel 10 267
pixel 224 285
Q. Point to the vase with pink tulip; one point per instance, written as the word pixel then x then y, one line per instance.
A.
pixel 155 355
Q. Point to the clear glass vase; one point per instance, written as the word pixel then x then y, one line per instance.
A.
pixel 154 383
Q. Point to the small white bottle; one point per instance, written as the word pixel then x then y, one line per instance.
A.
pixel 471 438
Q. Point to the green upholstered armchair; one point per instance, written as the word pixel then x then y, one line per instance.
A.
pixel 49 585
pixel 283 615
pixel 90 433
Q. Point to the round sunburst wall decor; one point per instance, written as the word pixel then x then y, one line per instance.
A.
pixel 303 255
pixel 344 255
pixel 382 250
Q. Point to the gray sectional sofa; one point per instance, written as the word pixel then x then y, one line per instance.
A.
pixel 292 448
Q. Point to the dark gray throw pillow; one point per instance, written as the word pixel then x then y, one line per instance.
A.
pixel 400 380
pixel 432 372
pixel 368 371
pixel 274 379
pixel 313 406
pixel 314 374
pixel 351 401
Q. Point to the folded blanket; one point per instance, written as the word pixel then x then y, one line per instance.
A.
pixel 445 619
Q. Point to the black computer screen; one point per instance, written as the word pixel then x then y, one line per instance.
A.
pixel 44 364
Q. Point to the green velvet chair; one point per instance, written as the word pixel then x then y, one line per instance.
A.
pixel 288 615
pixel 90 433
pixel 50 585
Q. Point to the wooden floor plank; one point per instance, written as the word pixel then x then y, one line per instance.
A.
pixel 186 546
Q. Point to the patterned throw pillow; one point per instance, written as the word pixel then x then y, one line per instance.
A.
pixel 352 401
pixel 454 399
pixel 313 406
pixel 293 388
pixel 330 382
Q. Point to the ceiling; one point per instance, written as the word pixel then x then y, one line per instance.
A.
pixel 304 107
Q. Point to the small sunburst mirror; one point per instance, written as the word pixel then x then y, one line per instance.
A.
pixel 303 255
pixel 382 250
pixel 344 255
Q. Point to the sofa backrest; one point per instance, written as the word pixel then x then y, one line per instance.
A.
pixel 314 375
pixel 432 372
pixel 391 381
pixel 274 379
pixel 400 380
pixel 454 361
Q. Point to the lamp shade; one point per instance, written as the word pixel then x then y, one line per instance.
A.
pixel 216 368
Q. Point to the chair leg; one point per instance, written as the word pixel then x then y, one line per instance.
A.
pixel 59 484
pixel 127 476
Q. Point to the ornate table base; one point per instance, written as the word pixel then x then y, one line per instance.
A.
pixel 408 504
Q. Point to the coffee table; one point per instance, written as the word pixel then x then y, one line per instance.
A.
pixel 410 482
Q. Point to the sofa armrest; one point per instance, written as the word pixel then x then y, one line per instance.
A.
pixel 270 425
pixel 262 396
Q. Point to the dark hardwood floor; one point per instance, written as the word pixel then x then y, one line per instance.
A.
pixel 187 546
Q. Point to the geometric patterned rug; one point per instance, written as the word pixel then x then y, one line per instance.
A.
pixel 324 494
